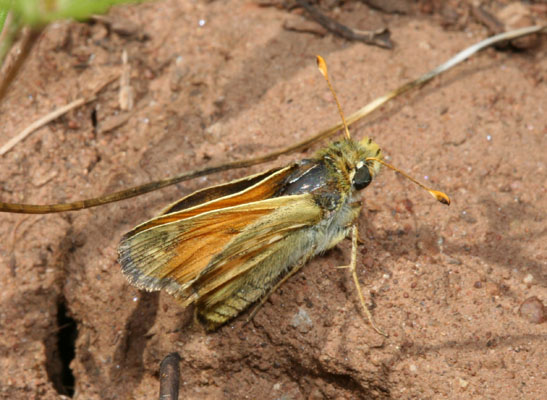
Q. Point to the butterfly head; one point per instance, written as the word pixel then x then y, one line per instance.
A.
pixel 366 167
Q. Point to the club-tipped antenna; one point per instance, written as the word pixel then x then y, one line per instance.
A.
pixel 438 195
pixel 322 65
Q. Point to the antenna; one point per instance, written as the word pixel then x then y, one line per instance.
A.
pixel 322 65
pixel 438 195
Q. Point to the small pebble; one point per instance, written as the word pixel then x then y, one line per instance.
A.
pixel 302 321
pixel 533 310
pixel 528 279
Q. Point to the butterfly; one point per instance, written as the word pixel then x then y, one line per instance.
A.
pixel 226 247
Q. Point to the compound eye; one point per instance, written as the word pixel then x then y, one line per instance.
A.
pixel 362 178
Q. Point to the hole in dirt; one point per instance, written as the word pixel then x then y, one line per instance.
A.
pixel 61 351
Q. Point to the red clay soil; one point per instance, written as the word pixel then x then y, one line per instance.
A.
pixel 460 289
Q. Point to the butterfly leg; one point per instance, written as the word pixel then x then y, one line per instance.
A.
pixel 264 298
pixel 352 267
pixel 357 206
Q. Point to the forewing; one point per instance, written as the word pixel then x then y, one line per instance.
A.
pixel 173 253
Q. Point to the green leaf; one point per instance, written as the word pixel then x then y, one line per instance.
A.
pixel 42 12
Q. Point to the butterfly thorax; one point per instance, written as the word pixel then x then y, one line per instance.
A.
pixel 335 172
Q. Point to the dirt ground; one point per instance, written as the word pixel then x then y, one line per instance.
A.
pixel 224 80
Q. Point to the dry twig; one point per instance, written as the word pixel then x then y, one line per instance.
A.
pixel 356 116
pixel 170 377
pixel 379 37
pixel 41 122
